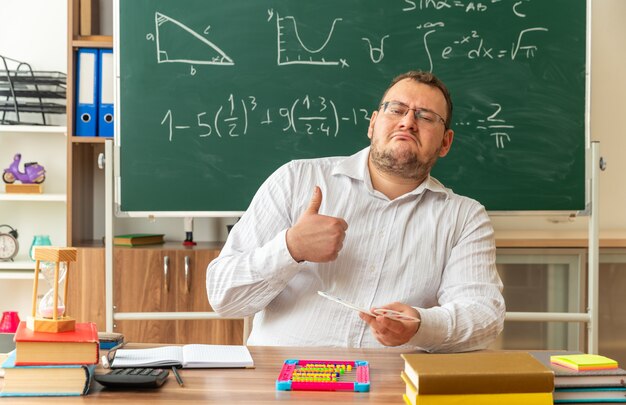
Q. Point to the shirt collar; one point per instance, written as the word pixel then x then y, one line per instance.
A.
pixel 356 167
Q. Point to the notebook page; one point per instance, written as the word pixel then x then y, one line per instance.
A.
pixel 208 356
pixel 158 356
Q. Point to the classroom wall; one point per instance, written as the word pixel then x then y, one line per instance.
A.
pixel 35 32
pixel 608 105
pixel 29 39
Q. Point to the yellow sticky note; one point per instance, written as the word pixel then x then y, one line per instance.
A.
pixel 584 362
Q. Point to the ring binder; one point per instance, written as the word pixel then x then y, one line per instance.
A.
pixel 86 92
pixel 105 98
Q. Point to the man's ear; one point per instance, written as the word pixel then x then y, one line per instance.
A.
pixel 446 142
pixel 370 128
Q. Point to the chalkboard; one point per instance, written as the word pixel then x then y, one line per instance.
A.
pixel 216 95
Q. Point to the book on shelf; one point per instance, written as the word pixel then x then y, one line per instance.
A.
pixel 590 395
pixel 49 380
pixel 138 239
pixel 477 373
pixel 411 397
pixel 565 377
pixel 187 356
pixel 79 346
pixel 582 362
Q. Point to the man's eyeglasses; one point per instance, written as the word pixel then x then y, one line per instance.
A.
pixel 397 110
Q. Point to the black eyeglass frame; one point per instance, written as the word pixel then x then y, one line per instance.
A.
pixel 416 111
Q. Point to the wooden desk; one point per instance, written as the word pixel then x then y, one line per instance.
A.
pixel 257 386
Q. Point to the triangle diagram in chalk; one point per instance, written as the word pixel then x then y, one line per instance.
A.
pixel 177 43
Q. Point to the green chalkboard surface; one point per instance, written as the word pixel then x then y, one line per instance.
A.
pixel 216 95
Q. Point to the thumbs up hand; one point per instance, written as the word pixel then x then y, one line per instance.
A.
pixel 315 237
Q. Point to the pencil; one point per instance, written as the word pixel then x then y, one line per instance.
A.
pixel 180 380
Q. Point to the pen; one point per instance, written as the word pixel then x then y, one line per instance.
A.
pixel 111 354
pixel 180 380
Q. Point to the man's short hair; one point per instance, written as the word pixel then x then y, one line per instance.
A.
pixel 426 78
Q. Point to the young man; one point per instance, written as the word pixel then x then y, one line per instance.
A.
pixel 377 231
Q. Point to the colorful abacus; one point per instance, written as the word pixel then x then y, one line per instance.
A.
pixel 324 375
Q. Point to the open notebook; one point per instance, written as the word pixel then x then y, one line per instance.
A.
pixel 188 356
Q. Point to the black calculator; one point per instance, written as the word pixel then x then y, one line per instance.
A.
pixel 132 377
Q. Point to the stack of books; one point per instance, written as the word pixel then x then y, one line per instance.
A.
pixel 481 378
pixel 578 378
pixel 51 364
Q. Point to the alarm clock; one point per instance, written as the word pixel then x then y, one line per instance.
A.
pixel 8 243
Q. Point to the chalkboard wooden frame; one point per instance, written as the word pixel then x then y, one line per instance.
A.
pixel 545 138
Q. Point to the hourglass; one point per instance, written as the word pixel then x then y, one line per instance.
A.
pixel 51 316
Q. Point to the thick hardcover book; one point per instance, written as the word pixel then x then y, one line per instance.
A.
pixel 56 380
pixel 477 373
pixel 138 239
pixel 188 356
pixel 42 348
pixel 411 397
pixel 566 377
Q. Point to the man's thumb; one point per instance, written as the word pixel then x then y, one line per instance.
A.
pixel 316 201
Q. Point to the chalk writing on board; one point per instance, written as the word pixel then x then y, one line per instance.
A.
pixel 292 49
pixel 376 53
pixel 473 46
pixel 307 115
pixel 467 6
pixel 495 125
pixel 172 32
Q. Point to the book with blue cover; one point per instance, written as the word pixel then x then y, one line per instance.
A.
pixel 45 381
pixel 590 395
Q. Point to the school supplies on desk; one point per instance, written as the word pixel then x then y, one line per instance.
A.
pixel 109 340
pixel 50 380
pixel 324 375
pixel 132 378
pixel 565 377
pixel 79 346
pixel 477 373
pixel 582 362
pixel 188 356
pixel 590 395
pixel 411 397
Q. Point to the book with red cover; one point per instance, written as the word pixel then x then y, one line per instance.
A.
pixel 80 346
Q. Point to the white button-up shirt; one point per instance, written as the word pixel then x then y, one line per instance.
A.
pixel 430 248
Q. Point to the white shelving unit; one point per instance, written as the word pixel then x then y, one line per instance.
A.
pixel 34 197
pixel 33 129
pixel 32 214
